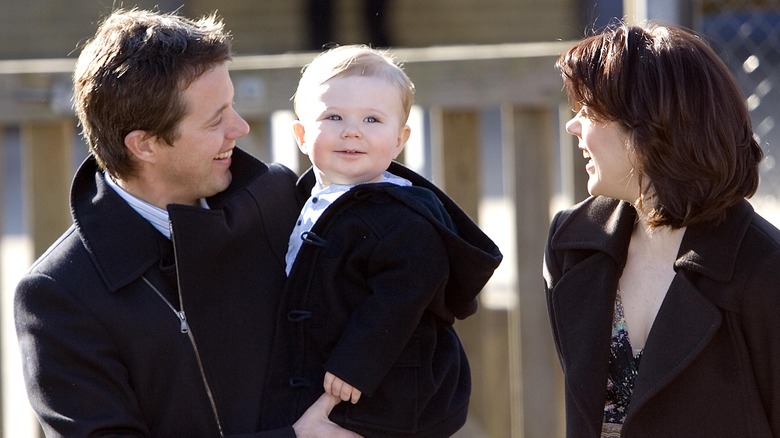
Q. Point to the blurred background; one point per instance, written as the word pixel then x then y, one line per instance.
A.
pixel 487 128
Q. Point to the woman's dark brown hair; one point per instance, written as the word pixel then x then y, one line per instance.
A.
pixel 131 75
pixel 686 118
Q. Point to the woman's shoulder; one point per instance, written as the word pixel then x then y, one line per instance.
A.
pixel 594 210
pixel 765 230
pixel 593 204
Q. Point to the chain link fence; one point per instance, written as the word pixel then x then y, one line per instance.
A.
pixel 746 33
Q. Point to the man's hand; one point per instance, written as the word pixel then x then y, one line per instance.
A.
pixel 314 423
pixel 341 389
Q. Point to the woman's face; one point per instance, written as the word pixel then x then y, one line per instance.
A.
pixel 610 159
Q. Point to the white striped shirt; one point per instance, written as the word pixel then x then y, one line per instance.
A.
pixel 320 199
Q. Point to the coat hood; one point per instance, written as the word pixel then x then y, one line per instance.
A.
pixel 473 256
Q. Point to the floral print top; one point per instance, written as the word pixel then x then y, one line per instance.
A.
pixel 623 368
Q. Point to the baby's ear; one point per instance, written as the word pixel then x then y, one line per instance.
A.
pixel 299 132
pixel 403 137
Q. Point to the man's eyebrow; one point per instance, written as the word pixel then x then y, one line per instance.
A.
pixel 217 113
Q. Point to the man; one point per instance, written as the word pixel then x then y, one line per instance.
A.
pixel 152 315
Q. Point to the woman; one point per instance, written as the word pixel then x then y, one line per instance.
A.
pixel 663 287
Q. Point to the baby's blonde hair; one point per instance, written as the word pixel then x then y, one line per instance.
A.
pixel 354 60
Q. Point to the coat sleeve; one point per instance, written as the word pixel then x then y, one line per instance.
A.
pixel 761 327
pixel 75 382
pixel 550 268
pixel 408 269
pixel 551 271
pixel 286 432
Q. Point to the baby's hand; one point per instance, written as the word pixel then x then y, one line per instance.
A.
pixel 341 389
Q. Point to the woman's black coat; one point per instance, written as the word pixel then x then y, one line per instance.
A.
pixel 711 364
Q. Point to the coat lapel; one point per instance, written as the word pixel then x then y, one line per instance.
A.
pixel 685 324
pixel 582 305
pixel 582 301
pixel 691 312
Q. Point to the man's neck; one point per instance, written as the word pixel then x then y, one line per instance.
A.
pixel 151 193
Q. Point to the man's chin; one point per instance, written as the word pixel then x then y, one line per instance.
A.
pixel 221 186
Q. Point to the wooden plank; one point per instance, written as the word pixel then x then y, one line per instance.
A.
pixel 452 76
pixel 530 142
pixel 48 156
pixel 455 149
pixel 455 143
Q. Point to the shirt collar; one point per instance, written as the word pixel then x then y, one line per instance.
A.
pixel 154 215
pixel 386 177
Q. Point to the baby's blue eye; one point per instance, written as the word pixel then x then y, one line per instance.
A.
pixel 371 119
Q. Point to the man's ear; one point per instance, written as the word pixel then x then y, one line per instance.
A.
pixel 141 145
pixel 299 132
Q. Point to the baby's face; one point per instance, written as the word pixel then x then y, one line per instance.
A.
pixel 352 128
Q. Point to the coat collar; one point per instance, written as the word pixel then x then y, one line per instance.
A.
pixel 110 229
pixel 121 244
pixel 711 249
pixel 604 224
pixel 597 224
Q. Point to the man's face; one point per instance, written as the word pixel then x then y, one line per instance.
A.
pixel 198 163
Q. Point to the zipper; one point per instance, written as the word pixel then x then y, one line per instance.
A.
pixel 185 329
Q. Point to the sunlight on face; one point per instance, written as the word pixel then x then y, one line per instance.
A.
pixel 610 159
pixel 352 128
pixel 197 165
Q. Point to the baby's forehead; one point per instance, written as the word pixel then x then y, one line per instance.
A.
pixel 351 82
pixel 348 96
pixel 357 75
pixel 355 84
